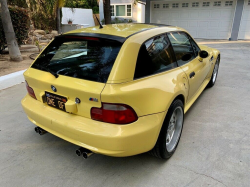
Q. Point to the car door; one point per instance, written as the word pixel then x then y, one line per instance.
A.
pixel 186 52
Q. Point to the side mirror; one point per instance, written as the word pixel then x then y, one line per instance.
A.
pixel 203 54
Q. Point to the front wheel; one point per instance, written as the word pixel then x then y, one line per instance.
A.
pixel 171 132
pixel 215 73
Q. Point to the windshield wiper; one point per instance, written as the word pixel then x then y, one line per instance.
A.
pixel 47 69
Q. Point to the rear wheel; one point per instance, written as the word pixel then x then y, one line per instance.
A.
pixel 215 73
pixel 171 132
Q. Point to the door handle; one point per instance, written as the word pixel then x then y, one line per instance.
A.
pixel 192 74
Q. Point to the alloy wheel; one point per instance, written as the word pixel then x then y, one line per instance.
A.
pixel 174 129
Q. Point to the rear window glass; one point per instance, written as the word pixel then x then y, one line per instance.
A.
pixel 80 57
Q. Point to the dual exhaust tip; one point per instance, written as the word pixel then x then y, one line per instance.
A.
pixel 40 131
pixel 81 151
pixel 84 152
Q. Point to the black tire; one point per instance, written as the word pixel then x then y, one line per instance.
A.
pixel 212 80
pixel 160 149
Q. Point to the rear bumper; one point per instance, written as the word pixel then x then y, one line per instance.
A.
pixel 99 137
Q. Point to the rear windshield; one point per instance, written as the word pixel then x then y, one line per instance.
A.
pixel 80 57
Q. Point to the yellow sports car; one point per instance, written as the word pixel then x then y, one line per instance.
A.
pixel 119 90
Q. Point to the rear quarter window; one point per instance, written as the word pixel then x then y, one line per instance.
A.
pixel 155 56
pixel 82 57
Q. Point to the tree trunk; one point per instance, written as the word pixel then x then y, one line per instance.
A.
pixel 10 36
pixel 107 13
pixel 58 20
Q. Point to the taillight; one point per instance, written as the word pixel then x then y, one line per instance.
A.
pixel 30 90
pixel 114 113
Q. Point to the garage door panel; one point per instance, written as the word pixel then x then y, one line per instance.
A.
pixel 213 24
pixel 245 25
pixel 202 22
pixel 223 35
pixel 192 23
pixel 204 15
pixel 224 25
pixel 183 24
pixel 184 14
pixel 244 32
pixel 202 34
pixel 226 13
pixel 193 33
pixel 194 15
pixel 215 14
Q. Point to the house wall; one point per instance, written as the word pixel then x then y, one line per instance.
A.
pixel 134 9
pixel 79 16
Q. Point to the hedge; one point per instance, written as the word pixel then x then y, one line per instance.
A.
pixel 20 22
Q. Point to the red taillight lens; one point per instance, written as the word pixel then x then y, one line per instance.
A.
pixel 30 91
pixel 114 113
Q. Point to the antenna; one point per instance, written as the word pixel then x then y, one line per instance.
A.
pixel 99 23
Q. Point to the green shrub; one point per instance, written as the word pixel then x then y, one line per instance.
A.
pixel 120 20
pixel 19 3
pixel 20 22
pixel 43 21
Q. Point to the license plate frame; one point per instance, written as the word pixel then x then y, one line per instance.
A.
pixel 55 101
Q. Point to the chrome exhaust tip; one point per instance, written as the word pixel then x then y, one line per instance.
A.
pixel 41 131
pixel 79 151
pixel 84 152
pixel 87 155
pixel 37 129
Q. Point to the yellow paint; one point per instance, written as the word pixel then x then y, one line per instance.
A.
pixel 150 96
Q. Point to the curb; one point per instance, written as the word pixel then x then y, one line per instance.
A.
pixel 12 79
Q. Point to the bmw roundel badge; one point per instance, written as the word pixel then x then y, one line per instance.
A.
pixel 53 88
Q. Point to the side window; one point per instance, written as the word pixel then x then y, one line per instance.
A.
pixel 183 49
pixel 155 56
pixel 195 46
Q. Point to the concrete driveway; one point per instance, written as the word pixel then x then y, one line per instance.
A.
pixel 214 149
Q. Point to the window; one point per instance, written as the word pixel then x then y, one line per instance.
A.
pixel 84 58
pixel 175 5
pixel 195 4
pixel 155 56
pixel 205 4
pixel 184 4
pixel 120 10
pixel 196 48
pixel 112 9
pixel 156 5
pixel 217 3
pixel 229 3
pixel 165 5
pixel 129 10
pixel 184 50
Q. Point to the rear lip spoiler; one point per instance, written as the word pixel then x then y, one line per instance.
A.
pixel 96 35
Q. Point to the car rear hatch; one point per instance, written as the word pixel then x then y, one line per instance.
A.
pixel 70 74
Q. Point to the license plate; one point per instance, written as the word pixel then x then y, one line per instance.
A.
pixel 56 101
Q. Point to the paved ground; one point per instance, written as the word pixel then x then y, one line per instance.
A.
pixel 214 149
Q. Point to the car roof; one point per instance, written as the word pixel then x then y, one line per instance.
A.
pixel 121 30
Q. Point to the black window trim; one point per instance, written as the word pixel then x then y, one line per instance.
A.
pixel 189 38
pixel 172 52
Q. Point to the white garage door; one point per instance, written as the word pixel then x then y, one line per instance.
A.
pixel 244 32
pixel 203 19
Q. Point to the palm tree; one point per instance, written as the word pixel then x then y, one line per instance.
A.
pixel 107 13
pixel 10 36
pixel 58 6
